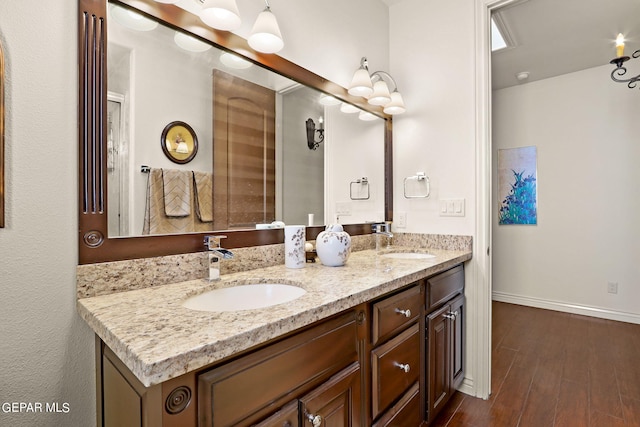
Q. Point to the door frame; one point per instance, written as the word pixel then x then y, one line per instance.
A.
pixel 482 274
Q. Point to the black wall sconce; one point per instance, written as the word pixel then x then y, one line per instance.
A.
pixel 311 133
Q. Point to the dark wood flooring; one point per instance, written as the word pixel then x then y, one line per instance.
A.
pixel 555 369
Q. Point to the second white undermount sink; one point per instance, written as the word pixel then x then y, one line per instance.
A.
pixel 244 297
pixel 408 255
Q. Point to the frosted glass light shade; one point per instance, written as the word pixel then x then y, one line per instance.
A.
pixel 168 1
pixel 348 108
pixel 381 95
pixel 328 100
pixel 234 61
pixel 366 116
pixel 221 14
pixel 131 19
pixel 265 36
pixel 361 83
pixel 189 43
pixel 396 106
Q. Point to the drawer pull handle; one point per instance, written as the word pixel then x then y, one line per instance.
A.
pixel 315 420
pixel 405 313
pixel 404 366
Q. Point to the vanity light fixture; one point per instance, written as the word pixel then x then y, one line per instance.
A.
pixel 265 36
pixel 131 19
pixel 375 88
pixel 328 100
pixel 311 133
pixel 232 60
pixel 224 15
pixel 348 108
pixel 619 61
pixel 190 43
pixel 366 116
pixel 221 14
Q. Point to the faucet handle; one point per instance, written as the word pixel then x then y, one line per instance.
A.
pixel 213 242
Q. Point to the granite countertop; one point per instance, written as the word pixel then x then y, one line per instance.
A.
pixel 159 339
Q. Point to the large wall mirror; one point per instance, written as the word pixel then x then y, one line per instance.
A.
pixel 248 113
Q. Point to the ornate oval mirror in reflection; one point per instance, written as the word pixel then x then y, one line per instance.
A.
pixel 99 242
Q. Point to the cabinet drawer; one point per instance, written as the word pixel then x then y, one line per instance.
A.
pixel 266 379
pixel 286 417
pixel 404 413
pixel 444 286
pixel 394 313
pixel 395 366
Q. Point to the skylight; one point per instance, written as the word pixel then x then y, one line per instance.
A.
pixel 497 40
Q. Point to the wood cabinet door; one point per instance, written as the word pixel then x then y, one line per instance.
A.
pixel 457 341
pixel 439 360
pixel 335 403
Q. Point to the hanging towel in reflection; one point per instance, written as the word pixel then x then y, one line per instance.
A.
pixel 176 185
pixel 203 188
pixel 155 219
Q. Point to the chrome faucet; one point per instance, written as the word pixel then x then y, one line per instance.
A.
pixel 216 253
pixel 382 230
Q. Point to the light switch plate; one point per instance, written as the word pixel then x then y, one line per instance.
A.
pixel 401 220
pixel 452 207
pixel 343 208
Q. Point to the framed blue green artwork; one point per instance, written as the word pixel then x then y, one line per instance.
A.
pixel 517 186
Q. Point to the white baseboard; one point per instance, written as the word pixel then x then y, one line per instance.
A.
pixel 585 310
pixel 467 387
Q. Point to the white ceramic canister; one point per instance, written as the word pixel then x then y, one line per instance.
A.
pixel 294 240
pixel 333 246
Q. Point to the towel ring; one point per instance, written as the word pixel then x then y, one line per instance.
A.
pixel 361 181
pixel 419 176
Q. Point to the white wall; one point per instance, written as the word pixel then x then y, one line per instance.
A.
pixel 585 128
pixel 354 150
pixel 432 57
pixel 45 348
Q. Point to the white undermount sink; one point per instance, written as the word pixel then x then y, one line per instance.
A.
pixel 244 297
pixel 408 255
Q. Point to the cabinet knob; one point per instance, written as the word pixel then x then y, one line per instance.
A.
pixel 315 420
pixel 405 313
pixel 404 366
pixel 452 315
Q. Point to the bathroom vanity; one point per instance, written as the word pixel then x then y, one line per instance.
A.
pixel 376 342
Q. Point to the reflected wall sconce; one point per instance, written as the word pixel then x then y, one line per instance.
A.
pixel 312 143
pixel 224 15
pixel 619 60
pixel 374 87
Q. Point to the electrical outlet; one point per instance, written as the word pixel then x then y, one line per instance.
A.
pixel 612 287
pixel 401 220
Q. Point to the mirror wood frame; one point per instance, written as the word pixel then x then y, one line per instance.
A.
pixel 1 136
pixel 94 243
